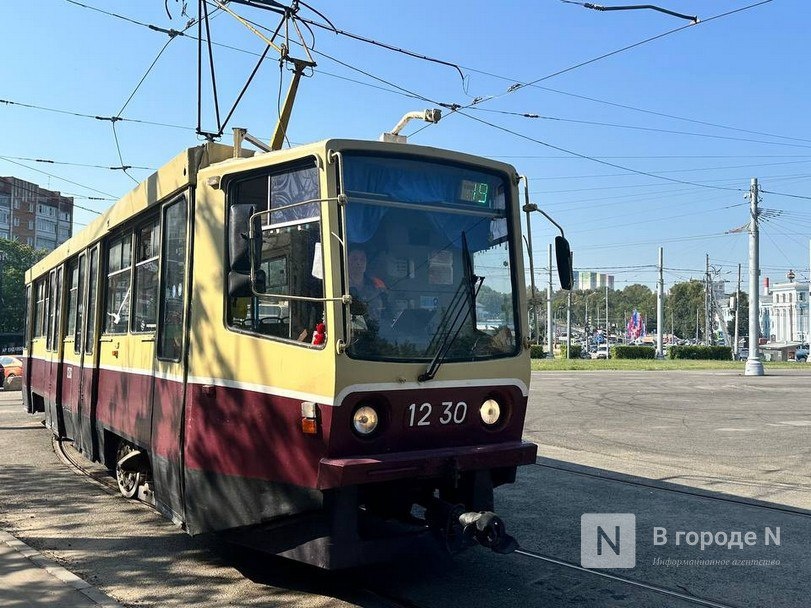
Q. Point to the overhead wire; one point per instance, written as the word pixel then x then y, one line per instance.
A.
pixel 59 162
pixel 531 115
pixel 93 116
pixel 534 82
pixel 58 177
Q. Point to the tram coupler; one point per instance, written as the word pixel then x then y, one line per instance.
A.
pixel 460 529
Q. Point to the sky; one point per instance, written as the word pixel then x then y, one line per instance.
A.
pixel 646 131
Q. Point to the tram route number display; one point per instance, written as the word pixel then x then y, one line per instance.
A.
pixel 426 414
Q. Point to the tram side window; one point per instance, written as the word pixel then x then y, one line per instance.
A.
pixel 75 302
pixel 54 280
pixel 119 265
pixel 146 278
pixel 92 297
pixel 291 257
pixel 39 314
pixel 27 317
pixel 73 296
pixel 173 278
pixel 77 334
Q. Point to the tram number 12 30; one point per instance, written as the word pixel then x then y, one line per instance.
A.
pixel 421 415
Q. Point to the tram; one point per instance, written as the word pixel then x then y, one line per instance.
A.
pixel 320 351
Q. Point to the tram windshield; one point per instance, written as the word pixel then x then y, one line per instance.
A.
pixel 429 261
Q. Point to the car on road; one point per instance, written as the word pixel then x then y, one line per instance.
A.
pixel 11 372
pixel 601 352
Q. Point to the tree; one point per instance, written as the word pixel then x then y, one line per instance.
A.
pixel 743 318
pixel 682 303
pixel 15 259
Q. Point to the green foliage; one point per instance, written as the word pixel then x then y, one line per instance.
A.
pixel 715 353
pixel 743 318
pixel 576 348
pixel 633 352
pixel 15 259
pixel 536 351
pixel 682 303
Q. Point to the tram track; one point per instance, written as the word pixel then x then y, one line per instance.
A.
pixel 103 480
pixel 686 492
pixel 694 599
pixel 108 485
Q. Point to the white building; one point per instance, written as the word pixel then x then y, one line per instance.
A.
pixel 784 311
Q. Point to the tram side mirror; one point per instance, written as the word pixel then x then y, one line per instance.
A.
pixel 239 284
pixel 563 255
pixel 240 248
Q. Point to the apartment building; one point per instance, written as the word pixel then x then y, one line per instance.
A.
pixel 585 280
pixel 33 215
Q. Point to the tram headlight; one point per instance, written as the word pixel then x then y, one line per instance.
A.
pixel 365 420
pixel 490 411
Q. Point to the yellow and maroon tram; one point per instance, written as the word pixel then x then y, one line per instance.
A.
pixel 321 351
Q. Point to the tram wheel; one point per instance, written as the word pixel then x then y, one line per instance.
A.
pixel 128 480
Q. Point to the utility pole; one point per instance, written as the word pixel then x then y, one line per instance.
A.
pixel 607 331
pixel 754 367
pixel 569 324
pixel 735 348
pixel 534 299
pixel 697 311
pixel 549 330
pixel 660 306
pixel 707 304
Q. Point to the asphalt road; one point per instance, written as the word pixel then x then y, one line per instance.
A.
pixel 736 438
pixel 722 431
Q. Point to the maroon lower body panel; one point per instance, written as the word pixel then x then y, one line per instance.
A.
pixel 337 472
pixel 125 405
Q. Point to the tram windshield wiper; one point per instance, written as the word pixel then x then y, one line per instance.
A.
pixel 462 307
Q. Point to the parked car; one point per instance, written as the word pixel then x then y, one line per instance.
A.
pixel 601 352
pixel 11 373
pixel 801 355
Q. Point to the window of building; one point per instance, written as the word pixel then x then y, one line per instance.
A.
pixel 44 243
pixel 43 225
pixel 30 224
pixel 29 241
pixel 16 204
pixel 119 280
pixel 3 234
pixel 16 221
pixel 146 277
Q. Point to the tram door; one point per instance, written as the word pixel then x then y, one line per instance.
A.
pixel 72 351
pixel 54 418
pixel 169 368
pixel 85 337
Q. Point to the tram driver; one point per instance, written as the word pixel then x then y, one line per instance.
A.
pixel 369 292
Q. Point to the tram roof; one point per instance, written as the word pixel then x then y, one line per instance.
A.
pixel 181 172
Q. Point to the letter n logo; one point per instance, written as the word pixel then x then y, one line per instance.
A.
pixel 608 540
